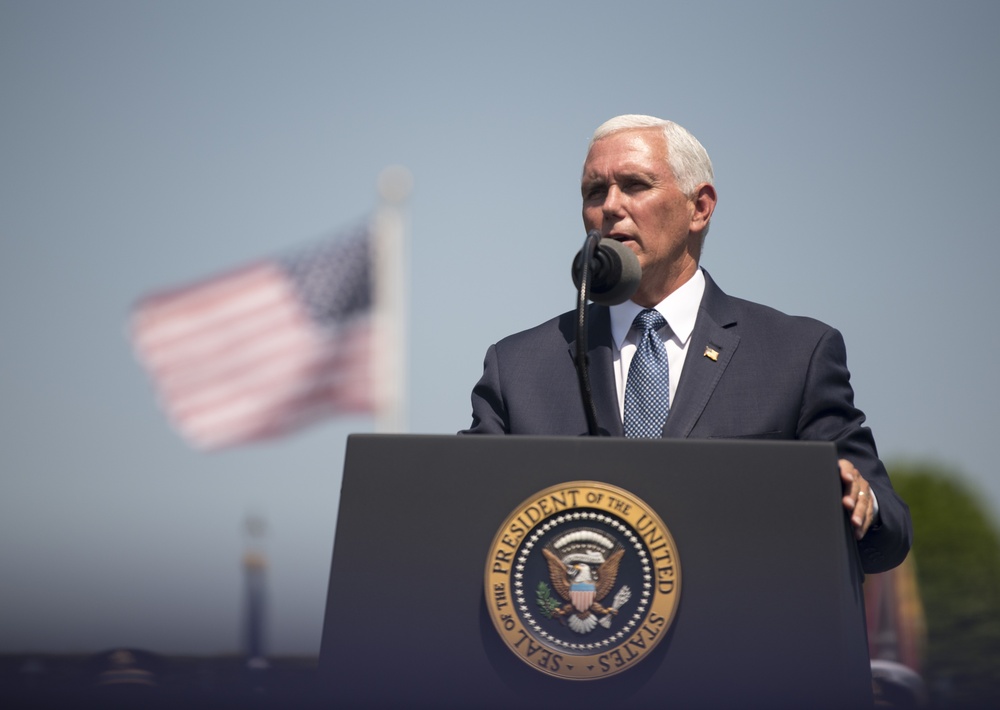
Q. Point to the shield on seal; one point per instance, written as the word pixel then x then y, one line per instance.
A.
pixel 581 594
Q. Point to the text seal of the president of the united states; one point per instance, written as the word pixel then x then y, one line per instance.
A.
pixel 582 580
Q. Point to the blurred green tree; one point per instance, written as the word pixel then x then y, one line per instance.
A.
pixel 957 552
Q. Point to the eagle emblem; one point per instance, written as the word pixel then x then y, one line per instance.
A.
pixel 553 569
pixel 583 566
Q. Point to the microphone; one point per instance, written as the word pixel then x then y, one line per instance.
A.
pixel 607 272
pixel 614 272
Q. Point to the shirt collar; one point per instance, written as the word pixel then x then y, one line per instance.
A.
pixel 679 309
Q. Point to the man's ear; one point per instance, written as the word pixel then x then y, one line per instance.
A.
pixel 704 201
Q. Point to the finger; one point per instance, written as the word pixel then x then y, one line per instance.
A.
pixel 857 498
pixel 848 473
pixel 861 514
pixel 850 479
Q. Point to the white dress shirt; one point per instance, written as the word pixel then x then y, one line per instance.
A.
pixel 680 310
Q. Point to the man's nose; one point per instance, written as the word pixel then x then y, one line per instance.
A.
pixel 613 202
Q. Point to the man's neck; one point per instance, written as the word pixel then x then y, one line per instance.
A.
pixel 657 293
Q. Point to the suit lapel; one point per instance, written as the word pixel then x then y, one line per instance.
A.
pixel 602 376
pixel 713 343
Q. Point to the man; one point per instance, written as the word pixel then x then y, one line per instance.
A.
pixel 717 366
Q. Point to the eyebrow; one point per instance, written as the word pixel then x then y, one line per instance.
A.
pixel 628 174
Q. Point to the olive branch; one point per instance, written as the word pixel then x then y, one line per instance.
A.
pixel 545 600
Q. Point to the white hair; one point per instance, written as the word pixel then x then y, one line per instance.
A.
pixel 688 159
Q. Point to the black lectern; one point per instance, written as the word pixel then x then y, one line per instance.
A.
pixel 770 614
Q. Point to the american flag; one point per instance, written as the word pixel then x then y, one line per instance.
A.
pixel 264 350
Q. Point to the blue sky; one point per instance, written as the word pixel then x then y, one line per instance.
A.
pixel 147 144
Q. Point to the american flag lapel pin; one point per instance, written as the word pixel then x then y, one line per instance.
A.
pixel 711 353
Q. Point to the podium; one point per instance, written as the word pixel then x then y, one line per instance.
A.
pixel 770 612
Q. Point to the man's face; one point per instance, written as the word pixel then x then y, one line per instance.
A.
pixel 629 194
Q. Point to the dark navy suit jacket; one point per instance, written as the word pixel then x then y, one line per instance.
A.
pixel 775 377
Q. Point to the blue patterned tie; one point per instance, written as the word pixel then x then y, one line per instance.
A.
pixel 647 390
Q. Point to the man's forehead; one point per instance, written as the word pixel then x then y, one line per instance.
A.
pixel 629 151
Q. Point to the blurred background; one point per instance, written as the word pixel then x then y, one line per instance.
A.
pixel 144 145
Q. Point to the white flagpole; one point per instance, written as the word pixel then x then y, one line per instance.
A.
pixel 390 260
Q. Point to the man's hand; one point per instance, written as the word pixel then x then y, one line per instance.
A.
pixel 857 498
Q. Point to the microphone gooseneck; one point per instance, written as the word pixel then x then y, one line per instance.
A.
pixel 604 271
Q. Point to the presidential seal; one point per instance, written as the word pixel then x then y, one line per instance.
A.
pixel 582 580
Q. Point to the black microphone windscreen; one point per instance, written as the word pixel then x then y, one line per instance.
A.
pixel 615 273
pixel 621 288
